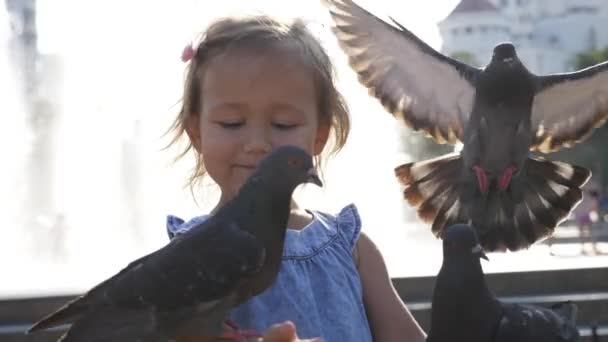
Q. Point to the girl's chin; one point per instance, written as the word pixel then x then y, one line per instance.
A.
pixel 234 188
pixel 241 175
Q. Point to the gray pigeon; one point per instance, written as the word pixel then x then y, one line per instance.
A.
pixel 188 287
pixel 464 309
pixel 500 113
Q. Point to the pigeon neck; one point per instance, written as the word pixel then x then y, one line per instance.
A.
pixel 463 307
pixel 504 84
pixel 263 211
pixel 462 300
pixel 269 206
pixel 464 277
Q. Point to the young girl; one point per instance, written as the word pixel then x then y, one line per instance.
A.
pixel 254 84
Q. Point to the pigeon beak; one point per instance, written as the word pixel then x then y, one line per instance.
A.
pixel 477 250
pixel 313 177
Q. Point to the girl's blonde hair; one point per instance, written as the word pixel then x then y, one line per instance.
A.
pixel 263 32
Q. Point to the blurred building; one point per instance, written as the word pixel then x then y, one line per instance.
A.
pixel 547 33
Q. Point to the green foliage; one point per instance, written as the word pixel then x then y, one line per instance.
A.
pixel 588 58
pixel 465 57
pixel 420 147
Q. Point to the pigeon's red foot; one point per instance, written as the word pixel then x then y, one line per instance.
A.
pixel 506 177
pixel 238 335
pixel 482 178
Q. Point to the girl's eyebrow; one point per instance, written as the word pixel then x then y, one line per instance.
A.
pixel 274 108
pixel 277 107
pixel 235 106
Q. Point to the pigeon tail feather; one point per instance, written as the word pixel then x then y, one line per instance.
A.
pixel 534 204
pixel 538 200
pixel 431 186
pixel 550 191
pixel 64 315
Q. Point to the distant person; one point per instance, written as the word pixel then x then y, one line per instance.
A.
pixel 586 214
pixel 604 208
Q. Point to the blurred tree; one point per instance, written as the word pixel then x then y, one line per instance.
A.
pixel 588 58
pixel 465 57
pixel 420 147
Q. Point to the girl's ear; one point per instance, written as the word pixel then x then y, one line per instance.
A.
pixel 192 127
pixel 321 138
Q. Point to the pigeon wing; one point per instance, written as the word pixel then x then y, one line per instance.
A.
pixel 429 91
pixel 531 323
pixel 567 107
pixel 202 265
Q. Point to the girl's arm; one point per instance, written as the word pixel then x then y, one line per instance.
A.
pixel 389 318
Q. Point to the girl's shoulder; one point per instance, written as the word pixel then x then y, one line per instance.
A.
pixel 176 225
pixel 347 223
pixel 325 230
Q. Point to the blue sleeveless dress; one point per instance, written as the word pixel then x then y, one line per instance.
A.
pixel 318 287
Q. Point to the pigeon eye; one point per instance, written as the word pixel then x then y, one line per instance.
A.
pixel 293 162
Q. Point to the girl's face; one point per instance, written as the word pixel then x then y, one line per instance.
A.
pixel 252 102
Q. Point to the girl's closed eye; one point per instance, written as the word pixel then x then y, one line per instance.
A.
pixel 285 117
pixel 284 126
pixel 231 124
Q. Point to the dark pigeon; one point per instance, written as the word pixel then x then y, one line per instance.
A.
pixel 188 287
pixel 464 309
pixel 499 113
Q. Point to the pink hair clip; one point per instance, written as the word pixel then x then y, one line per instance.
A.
pixel 188 53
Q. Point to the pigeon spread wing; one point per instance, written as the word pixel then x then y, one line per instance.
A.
pixel 429 91
pixel 530 323
pixel 199 265
pixel 194 272
pixel 567 107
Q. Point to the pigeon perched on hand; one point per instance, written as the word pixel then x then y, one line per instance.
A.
pixel 464 309
pixel 499 113
pixel 188 287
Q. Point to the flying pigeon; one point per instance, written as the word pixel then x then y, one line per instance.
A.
pixel 464 309
pixel 188 287
pixel 500 113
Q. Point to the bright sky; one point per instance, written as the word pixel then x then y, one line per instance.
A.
pixel 175 18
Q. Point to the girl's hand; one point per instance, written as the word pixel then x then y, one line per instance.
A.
pixel 283 332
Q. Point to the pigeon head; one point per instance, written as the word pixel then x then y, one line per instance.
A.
pixel 504 53
pixel 461 239
pixel 286 167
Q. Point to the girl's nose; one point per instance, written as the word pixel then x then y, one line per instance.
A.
pixel 258 141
